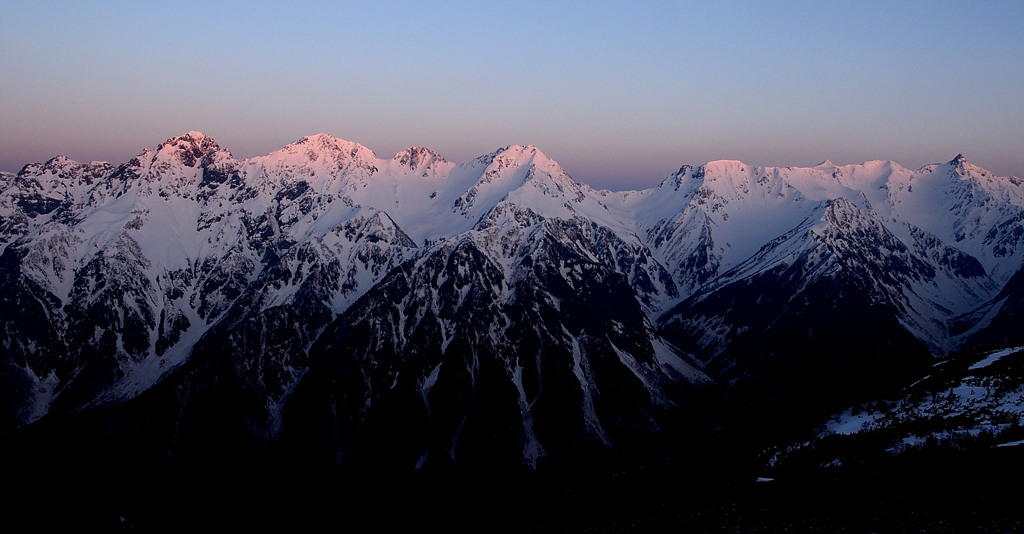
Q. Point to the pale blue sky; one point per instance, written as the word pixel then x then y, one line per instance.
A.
pixel 620 93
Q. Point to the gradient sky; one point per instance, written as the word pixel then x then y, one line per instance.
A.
pixel 620 93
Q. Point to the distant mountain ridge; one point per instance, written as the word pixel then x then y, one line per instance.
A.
pixel 493 312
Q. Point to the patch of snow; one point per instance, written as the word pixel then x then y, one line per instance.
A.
pixel 994 357
pixel 532 449
pixel 581 369
pixel 847 423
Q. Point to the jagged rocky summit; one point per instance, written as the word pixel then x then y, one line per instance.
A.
pixel 413 312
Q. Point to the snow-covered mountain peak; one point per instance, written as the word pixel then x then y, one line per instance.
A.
pixel 185 150
pixel 516 152
pixel 417 157
pixel 678 179
pixel 719 183
pixel 60 178
pixel 732 172
pixel 54 165
pixel 192 141
pixel 58 162
pixel 958 168
pixel 514 165
pixel 965 170
pixel 493 177
pixel 326 144
pixel 961 169
pixel 726 165
pixel 511 154
pixel 322 150
pixel 321 160
pixel 842 213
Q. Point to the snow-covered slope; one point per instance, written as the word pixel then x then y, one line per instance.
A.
pixel 972 402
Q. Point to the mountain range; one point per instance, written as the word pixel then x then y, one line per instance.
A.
pixel 415 314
